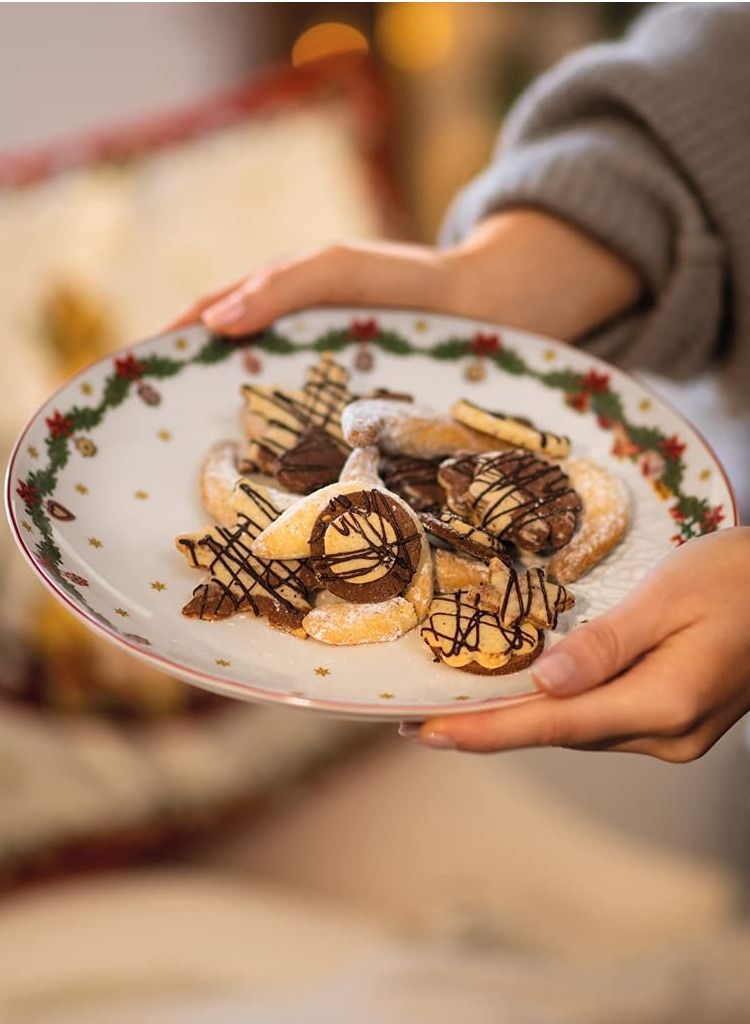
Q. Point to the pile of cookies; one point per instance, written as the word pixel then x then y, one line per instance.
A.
pixel 354 520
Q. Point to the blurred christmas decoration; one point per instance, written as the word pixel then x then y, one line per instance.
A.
pixel 414 37
pixel 76 326
pixel 328 39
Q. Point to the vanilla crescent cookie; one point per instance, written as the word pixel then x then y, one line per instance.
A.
pixel 239 581
pixel 403 428
pixel 604 520
pixel 513 430
pixel 363 465
pixel 219 476
pixel 348 624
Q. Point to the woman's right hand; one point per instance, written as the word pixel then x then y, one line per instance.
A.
pixel 522 268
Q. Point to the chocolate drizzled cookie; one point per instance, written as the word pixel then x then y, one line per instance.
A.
pixel 464 632
pixel 288 415
pixel 365 547
pixel 497 626
pixel 516 496
pixel 316 460
pixel 415 480
pixel 239 581
pixel 463 535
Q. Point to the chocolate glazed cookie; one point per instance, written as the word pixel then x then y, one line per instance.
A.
pixel 365 547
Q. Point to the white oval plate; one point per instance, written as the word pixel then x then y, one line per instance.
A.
pixel 106 475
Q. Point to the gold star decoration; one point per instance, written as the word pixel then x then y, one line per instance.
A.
pixel 461 696
pixel 705 474
pixel 26 526
pixel 95 542
pixel 320 671
pixel 33 452
pixel 421 325
pixel 223 663
pixel 164 435
pixel 86 388
pixel 158 585
pixel 385 695
pixel 181 344
pixel 141 495
pixel 122 613
pixel 645 404
pixel 550 355
pixel 82 488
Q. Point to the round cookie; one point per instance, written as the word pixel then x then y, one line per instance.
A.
pixel 365 547
pixel 465 632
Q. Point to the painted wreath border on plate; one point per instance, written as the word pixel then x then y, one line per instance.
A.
pixel 658 456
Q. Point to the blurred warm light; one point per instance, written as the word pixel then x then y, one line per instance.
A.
pixel 327 40
pixel 414 37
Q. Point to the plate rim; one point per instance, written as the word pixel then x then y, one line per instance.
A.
pixel 248 691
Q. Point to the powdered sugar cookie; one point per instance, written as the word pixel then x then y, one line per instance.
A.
pixel 604 520
pixel 403 428
pixel 348 623
pixel 219 476
pixel 362 465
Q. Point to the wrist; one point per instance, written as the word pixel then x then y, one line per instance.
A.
pixel 532 270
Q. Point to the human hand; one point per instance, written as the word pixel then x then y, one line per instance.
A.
pixel 523 268
pixel 674 655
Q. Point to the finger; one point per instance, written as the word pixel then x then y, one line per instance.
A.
pixel 602 649
pixel 193 314
pixel 648 700
pixel 339 275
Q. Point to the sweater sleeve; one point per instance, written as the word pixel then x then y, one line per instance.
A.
pixel 644 144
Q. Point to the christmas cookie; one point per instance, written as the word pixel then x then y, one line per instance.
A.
pixel 239 581
pixel 365 547
pixel 402 428
pixel 277 418
pixel 416 480
pixel 465 631
pixel 513 430
pixel 348 623
pixel 462 535
pixel 454 571
pixel 604 520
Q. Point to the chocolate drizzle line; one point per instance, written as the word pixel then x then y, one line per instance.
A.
pixel 544 437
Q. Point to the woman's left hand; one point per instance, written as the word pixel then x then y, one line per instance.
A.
pixel 674 655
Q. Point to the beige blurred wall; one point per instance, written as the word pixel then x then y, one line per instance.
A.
pixel 67 68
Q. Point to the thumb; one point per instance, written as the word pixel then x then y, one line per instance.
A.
pixel 600 650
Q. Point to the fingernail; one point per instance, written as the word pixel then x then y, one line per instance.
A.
pixel 224 314
pixel 437 740
pixel 409 730
pixel 555 672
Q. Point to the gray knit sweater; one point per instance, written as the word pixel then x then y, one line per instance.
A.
pixel 645 143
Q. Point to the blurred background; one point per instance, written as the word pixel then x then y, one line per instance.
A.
pixel 167 855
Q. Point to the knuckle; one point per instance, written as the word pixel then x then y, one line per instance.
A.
pixel 680 717
pixel 682 750
pixel 338 254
